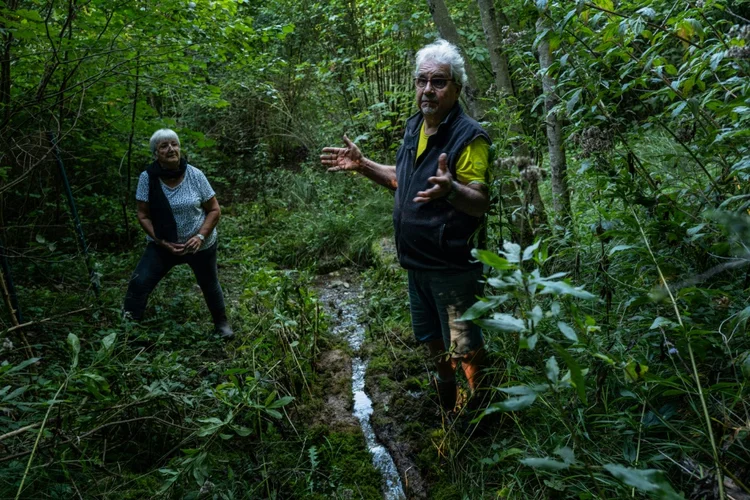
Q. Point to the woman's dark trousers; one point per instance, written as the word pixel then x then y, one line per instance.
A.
pixel 156 262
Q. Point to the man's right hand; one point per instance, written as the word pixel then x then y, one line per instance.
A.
pixel 348 158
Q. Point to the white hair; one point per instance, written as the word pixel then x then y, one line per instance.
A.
pixel 161 135
pixel 443 52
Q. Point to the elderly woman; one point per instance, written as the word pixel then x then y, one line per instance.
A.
pixel 177 209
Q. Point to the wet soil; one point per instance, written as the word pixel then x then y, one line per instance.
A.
pixel 342 297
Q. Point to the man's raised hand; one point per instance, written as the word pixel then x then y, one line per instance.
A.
pixel 348 158
pixel 442 180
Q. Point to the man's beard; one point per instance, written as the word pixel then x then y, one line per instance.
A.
pixel 428 110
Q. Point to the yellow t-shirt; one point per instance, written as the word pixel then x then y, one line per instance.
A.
pixel 472 164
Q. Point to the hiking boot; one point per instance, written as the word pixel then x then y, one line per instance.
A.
pixel 447 394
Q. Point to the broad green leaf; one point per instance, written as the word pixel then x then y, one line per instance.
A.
pixel 512 252
pixel 568 331
pixel 716 59
pixel 15 393
pixel 75 347
pixel 529 342
pixel 241 431
pixel 528 252
pixel 662 322
pixel 480 308
pixel 512 404
pixel 635 371
pixel 210 420
pixel 281 402
pixel 566 454
pixel 30 15
pixel 646 12
pixel 503 322
pixel 552 370
pixel 23 364
pixel 492 259
pixel 648 480
pixel 576 374
pixel 573 101
pixel 745 364
pixel 604 358
pixel 275 414
pixel 517 390
pixel 743 315
pixel 678 109
pixel 536 315
pixel 554 309
pixel 562 288
pixel 545 464
pixel 109 341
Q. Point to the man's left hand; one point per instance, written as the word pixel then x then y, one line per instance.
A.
pixel 442 180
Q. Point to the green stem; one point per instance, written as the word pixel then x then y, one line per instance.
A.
pixel 706 416
pixel 38 437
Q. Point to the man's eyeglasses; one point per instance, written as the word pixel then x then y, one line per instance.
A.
pixel 437 83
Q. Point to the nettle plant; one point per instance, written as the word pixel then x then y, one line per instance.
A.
pixel 544 312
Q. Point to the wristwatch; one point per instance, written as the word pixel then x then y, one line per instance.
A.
pixel 201 237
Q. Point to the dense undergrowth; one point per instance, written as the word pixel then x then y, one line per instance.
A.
pixel 96 407
pixel 598 379
pixel 619 363
pixel 634 384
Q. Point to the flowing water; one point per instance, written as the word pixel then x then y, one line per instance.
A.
pixel 343 299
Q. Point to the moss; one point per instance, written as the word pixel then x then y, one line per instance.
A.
pixel 380 364
pixel 386 384
pixel 349 463
pixel 445 491
pixel 414 383
pixel 140 487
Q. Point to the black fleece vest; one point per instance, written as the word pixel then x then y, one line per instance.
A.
pixel 433 236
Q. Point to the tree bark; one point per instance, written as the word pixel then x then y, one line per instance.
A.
pixel 501 70
pixel 557 161
pixel 448 31
pixel 498 59
pixel 5 69
pixel 126 196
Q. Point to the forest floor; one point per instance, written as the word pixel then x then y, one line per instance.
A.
pixel 174 409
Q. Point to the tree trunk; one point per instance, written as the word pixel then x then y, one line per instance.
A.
pixel 500 68
pixel 557 162
pixel 448 31
pixel 5 70
pixel 498 59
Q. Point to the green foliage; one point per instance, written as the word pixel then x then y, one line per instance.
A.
pixel 165 407
pixel 603 355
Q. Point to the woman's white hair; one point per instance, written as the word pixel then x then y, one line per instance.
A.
pixel 161 135
pixel 443 52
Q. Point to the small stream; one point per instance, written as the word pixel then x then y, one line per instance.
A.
pixel 342 301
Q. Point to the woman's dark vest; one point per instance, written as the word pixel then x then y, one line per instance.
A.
pixel 433 236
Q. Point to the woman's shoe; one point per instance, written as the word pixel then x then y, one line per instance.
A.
pixel 224 329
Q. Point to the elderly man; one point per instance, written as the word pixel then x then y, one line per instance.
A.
pixel 439 179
